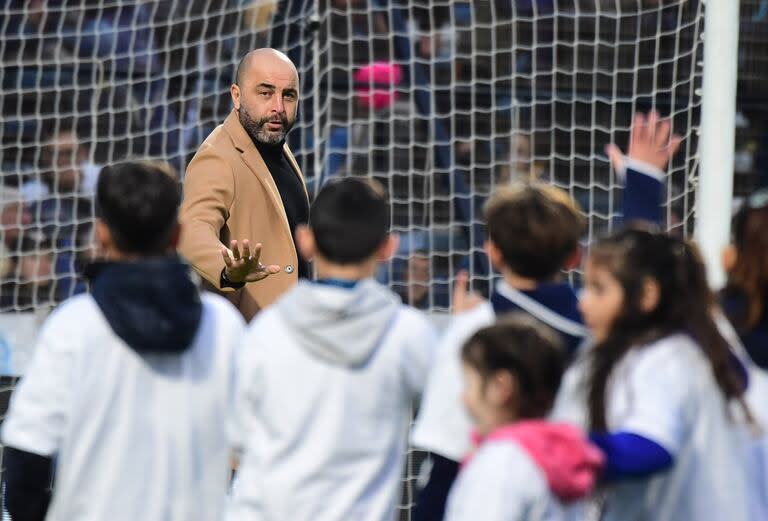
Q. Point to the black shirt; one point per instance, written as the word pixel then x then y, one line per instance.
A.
pixel 291 192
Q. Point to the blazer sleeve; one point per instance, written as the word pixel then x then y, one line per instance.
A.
pixel 209 190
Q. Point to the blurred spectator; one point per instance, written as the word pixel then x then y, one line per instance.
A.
pixel 518 166
pixel 375 95
pixel 66 168
pixel 29 283
pixel 414 289
pixel 15 219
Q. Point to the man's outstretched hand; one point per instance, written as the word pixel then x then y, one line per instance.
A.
pixel 650 142
pixel 244 266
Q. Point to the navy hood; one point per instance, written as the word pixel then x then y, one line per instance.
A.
pixel 153 305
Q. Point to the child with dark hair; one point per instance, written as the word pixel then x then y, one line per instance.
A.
pixel 655 389
pixel 524 468
pixel 533 234
pixel 745 297
pixel 329 373
pixel 129 387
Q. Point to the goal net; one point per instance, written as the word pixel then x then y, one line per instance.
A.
pixel 441 101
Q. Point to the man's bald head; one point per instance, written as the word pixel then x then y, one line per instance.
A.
pixel 266 95
pixel 261 57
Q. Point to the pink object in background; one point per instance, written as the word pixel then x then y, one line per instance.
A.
pixel 382 77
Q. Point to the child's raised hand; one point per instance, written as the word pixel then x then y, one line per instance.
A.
pixel 463 298
pixel 650 142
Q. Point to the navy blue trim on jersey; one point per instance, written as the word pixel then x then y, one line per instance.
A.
pixel 629 455
pixel 27 479
pixel 643 197
pixel 554 304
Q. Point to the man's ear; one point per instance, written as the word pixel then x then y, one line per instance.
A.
pixel 388 248
pixel 729 257
pixel 305 241
pixel 650 296
pixel 494 254
pixel 234 91
pixel 574 260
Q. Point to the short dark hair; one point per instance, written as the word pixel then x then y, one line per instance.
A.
pixel 139 202
pixel 349 219
pixel 535 226
pixel 527 349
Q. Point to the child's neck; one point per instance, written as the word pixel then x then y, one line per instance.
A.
pixel 329 270
pixel 516 281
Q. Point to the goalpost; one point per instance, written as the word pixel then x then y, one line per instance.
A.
pixel 718 131
pixel 440 101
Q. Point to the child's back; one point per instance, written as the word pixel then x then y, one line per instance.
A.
pixel 687 415
pixel 524 468
pixel 328 375
pixel 131 386
pixel 132 430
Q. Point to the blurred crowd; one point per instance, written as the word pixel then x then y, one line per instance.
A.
pixel 440 101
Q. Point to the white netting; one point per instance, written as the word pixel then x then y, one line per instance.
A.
pixel 486 92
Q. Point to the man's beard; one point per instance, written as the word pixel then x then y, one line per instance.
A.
pixel 257 130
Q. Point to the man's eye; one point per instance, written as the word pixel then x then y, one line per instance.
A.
pixel 265 93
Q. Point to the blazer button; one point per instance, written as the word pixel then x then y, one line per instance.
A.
pixel 289 269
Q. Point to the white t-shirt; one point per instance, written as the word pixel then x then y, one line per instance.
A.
pixel 135 436
pixel 443 425
pixel 503 483
pixel 666 392
pixel 321 441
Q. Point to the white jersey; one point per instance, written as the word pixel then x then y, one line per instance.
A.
pixel 135 436
pixel 324 439
pixel 666 392
pixel 503 483
pixel 443 425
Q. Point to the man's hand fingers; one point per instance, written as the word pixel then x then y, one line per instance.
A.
pixel 256 253
pixel 235 249
pixel 246 249
pixel 261 272
pixel 227 258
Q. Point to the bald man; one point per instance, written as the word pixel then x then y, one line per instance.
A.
pixel 244 194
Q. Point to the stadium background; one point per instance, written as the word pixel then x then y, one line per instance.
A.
pixel 473 94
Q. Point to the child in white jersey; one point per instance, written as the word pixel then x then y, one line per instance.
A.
pixel 329 374
pixel 131 385
pixel 524 468
pixel 656 390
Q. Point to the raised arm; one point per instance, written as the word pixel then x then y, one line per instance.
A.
pixel 209 191
pixel 651 147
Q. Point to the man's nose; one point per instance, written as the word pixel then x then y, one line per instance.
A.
pixel 278 105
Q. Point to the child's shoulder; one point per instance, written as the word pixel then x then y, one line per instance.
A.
pixel 73 313
pixel 222 307
pixel 507 462
pixel 672 350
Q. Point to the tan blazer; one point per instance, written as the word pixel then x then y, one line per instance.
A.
pixel 230 194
